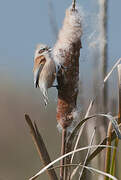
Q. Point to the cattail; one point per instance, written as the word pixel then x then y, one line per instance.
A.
pixel 66 55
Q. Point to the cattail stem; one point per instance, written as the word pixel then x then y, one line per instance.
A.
pixel 62 153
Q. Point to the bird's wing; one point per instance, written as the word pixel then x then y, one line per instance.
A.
pixel 38 66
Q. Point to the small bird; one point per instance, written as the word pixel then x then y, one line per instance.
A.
pixel 44 70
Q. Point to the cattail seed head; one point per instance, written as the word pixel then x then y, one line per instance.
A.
pixel 66 53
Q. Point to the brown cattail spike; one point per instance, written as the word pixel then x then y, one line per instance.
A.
pixel 66 54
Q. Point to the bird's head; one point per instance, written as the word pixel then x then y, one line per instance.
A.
pixel 41 50
pixel 39 61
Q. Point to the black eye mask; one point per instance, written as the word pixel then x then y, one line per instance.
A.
pixel 42 50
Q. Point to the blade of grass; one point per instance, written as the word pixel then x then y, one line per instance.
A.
pixel 101 172
pixel 65 155
pixel 91 142
pixel 90 169
pixel 99 149
pixel 75 170
pixel 114 124
pixel 109 117
pixel 115 65
pixel 81 129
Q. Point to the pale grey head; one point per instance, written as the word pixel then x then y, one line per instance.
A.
pixel 41 49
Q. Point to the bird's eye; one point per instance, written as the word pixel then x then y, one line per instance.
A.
pixel 41 51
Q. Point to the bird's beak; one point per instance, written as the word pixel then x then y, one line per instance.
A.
pixel 37 72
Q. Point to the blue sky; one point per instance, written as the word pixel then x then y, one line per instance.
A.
pixel 23 24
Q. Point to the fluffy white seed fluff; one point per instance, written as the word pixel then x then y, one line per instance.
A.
pixel 70 33
pixel 76 118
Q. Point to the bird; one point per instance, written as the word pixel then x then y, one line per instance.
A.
pixel 44 69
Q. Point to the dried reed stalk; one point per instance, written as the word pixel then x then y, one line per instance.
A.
pixel 119 85
pixel 108 150
pixel 66 54
pixel 103 47
pixel 103 106
pixel 113 163
pixel 40 146
pixel 81 129
pixel 103 142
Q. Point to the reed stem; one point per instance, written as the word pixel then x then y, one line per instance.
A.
pixel 113 163
pixel 40 146
pixel 108 151
pixel 62 168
